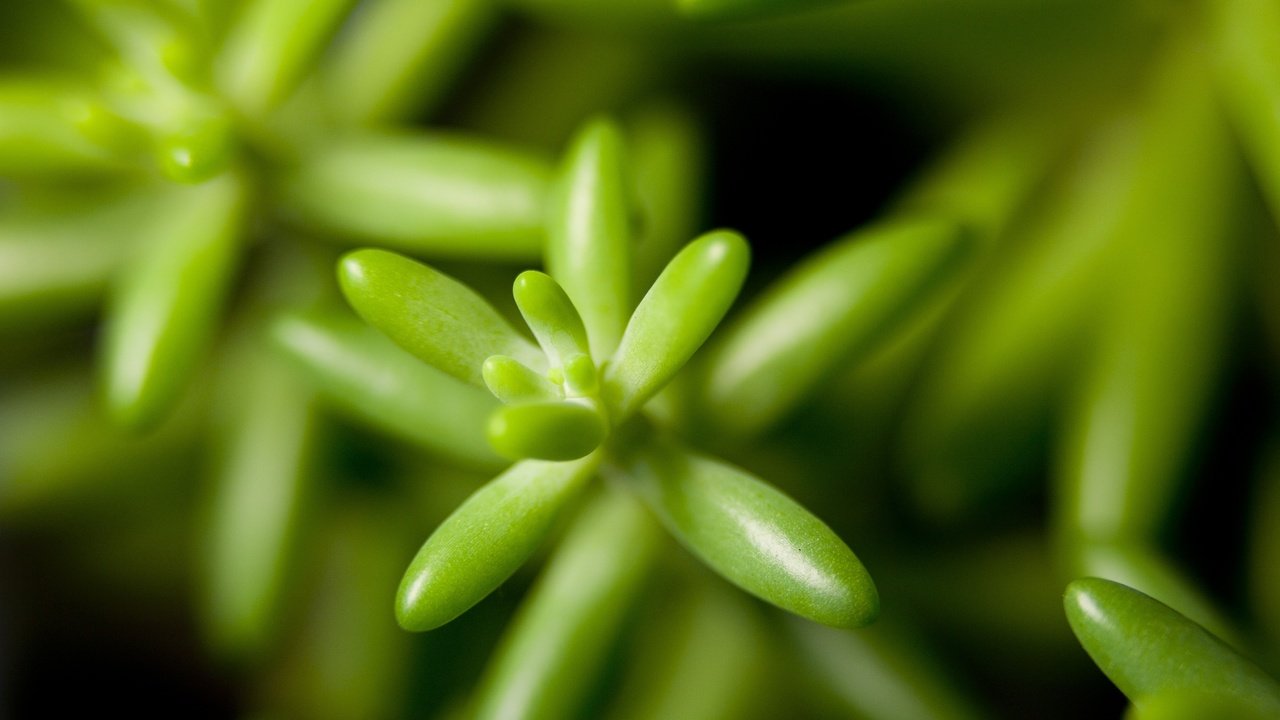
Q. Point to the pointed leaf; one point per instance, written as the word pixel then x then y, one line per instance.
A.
pixel 1147 649
pixel 753 535
pixel 564 430
pixel 485 540
pixel 367 375
pixel 684 305
pixel 589 243
pixel 430 314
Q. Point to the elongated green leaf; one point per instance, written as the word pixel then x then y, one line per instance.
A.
pixel 702 655
pixel 562 430
pixel 270 46
pixel 993 382
pixel 880 673
pixel 165 308
pixel 1131 427
pixel 430 314
pixel 1139 566
pixel 684 305
pixel 399 56
pixel 363 372
pixel 47 125
pixel 555 649
pixel 57 262
pixel 753 535
pixel 669 166
pixel 349 659
pixel 513 382
pixel 551 315
pixel 437 194
pixel 1248 76
pixel 1147 649
pixel 829 311
pixel 255 507
pixel 485 540
pixel 589 241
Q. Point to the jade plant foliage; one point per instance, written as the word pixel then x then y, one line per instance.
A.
pixel 640 359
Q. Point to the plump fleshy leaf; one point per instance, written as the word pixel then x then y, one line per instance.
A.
pixel 430 314
pixel 831 309
pixel 485 540
pixel 557 646
pixel 752 534
pixel 438 194
pixel 588 235
pixel 47 126
pixel 366 374
pixel 684 305
pixel 551 316
pixel 563 430
pixel 1147 649
pixel 165 308
pixel 513 382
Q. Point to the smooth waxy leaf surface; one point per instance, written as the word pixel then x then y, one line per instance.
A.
pixel 558 643
pixel 513 382
pixel 165 308
pixel 485 540
pixel 46 126
pixel 1148 649
pixel 444 195
pixel 684 305
pixel 551 316
pixel 669 166
pixel 564 430
pixel 430 314
pixel 361 371
pixel 753 535
pixel 589 240
pixel 826 312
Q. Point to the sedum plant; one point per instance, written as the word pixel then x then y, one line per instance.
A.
pixel 1039 352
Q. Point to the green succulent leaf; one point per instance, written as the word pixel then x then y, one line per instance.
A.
pixel 752 534
pixel 670 167
pixel 166 306
pixel 829 311
pixel 551 316
pixel 398 57
pixel 736 9
pixel 256 505
pixel 563 430
pixel 514 382
pixel 557 646
pixel 1148 649
pixel 438 194
pixel 485 540
pixel 358 369
pixel 1194 705
pixel 48 125
pixel 430 314
pixel 589 244
pixel 271 45
pixel 1248 78
pixel 682 308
